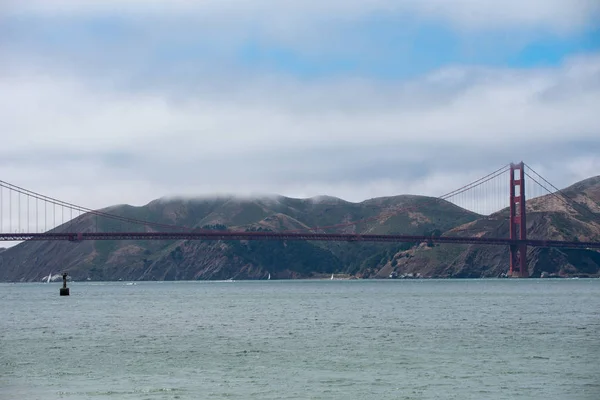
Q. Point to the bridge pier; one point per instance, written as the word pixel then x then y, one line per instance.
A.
pixel 518 222
pixel 518 261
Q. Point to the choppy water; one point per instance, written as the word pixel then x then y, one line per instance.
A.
pixel 475 339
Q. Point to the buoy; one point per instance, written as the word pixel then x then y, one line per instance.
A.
pixel 64 291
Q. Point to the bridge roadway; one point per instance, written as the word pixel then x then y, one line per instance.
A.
pixel 328 237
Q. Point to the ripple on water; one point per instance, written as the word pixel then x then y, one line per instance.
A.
pixel 302 340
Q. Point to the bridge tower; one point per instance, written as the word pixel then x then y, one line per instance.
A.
pixel 518 221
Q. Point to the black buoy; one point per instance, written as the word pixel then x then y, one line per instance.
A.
pixel 64 291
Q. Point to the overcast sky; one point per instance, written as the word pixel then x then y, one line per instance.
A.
pixel 105 102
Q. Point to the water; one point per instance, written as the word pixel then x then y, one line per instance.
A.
pixel 475 339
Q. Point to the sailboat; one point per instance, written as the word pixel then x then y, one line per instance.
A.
pixel 331 276
pixel 49 277
pixel 269 277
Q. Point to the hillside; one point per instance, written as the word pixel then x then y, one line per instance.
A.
pixel 178 260
pixel 547 218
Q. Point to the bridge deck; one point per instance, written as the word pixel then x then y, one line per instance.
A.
pixel 329 237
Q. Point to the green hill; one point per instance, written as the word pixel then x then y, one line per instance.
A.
pixel 548 218
pixel 167 260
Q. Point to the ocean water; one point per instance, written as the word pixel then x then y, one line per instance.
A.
pixel 420 339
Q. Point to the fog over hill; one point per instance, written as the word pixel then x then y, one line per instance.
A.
pixel 548 218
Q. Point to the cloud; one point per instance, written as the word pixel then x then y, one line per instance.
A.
pixel 176 40
pixel 556 15
pixel 107 102
pixel 74 137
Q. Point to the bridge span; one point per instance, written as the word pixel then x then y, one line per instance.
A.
pixel 29 216
pixel 323 237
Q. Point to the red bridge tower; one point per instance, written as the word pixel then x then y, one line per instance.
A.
pixel 518 222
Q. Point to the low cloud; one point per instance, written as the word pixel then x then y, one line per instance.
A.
pixel 72 137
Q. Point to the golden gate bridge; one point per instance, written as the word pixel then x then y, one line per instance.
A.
pixel 26 215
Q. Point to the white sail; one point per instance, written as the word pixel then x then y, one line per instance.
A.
pixel 49 277
pixel 269 278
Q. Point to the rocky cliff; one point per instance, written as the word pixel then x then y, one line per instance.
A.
pixel 572 215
